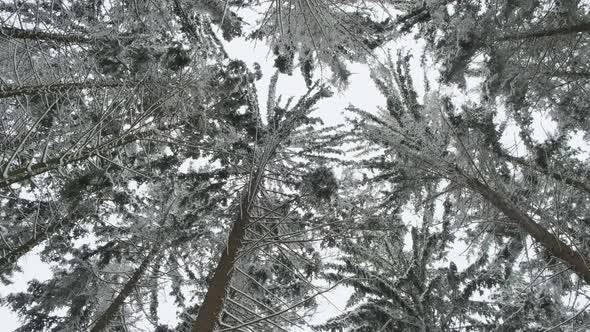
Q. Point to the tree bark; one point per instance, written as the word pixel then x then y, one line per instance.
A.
pixel 556 247
pixel 212 307
pixel 105 319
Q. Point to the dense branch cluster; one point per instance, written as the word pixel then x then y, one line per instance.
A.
pixel 136 161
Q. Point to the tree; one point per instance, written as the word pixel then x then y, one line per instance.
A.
pixel 530 55
pixel 258 205
pixel 91 100
pixel 409 290
pixel 134 158
pixel 322 33
pixel 120 100
pixel 121 268
pixel 433 145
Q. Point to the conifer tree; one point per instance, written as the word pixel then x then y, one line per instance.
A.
pixel 431 144
pixel 530 55
pixel 262 212
pixel 135 161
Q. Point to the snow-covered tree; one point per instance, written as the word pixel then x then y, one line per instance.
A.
pixel 531 54
pixel 507 212
pixel 268 232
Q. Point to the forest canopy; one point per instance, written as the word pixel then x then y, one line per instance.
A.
pixel 141 164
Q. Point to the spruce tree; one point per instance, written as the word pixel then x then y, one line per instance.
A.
pixel 433 145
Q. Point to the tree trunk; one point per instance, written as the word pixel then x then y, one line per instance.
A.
pixel 104 320
pixel 556 247
pixel 567 30
pixel 212 307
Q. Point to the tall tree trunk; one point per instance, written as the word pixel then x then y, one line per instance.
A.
pixel 576 261
pixel 212 307
pixel 53 88
pixel 104 320
pixel 567 30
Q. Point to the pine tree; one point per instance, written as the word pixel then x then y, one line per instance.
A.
pixel 322 33
pixel 134 158
pixel 123 225
pixel 431 144
pixel 261 210
pixel 97 105
pixel 529 54
pixel 411 289
pixel 99 89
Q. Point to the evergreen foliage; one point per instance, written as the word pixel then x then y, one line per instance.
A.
pixel 136 162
